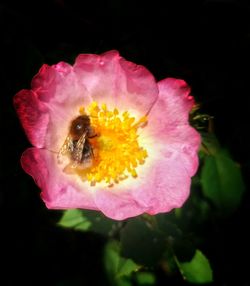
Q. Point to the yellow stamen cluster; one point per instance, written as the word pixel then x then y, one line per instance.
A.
pixel 116 149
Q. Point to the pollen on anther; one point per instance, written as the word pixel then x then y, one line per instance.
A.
pixel 133 173
pixel 82 110
pixel 116 148
pixel 104 107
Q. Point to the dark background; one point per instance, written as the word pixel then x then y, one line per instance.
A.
pixel 207 43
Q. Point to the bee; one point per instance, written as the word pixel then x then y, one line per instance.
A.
pixel 77 144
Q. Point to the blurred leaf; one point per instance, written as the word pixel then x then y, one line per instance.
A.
pixel 168 263
pixel 222 181
pixel 210 144
pixel 140 242
pixel 74 219
pixel 198 270
pixel 119 269
pixel 167 224
pixel 184 248
pixel 101 224
pixel 123 282
pixel 126 267
pixel 194 213
pixel 85 220
pixel 145 278
pixel 177 239
pixel 178 213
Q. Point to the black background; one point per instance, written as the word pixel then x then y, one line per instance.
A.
pixel 207 43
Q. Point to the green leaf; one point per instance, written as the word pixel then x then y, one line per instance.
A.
pixel 210 144
pixel 222 181
pixel 126 267
pixel 119 269
pixel 140 242
pixel 101 224
pixel 145 278
pixel 168 225
pixel 74 219
pixel 198 270
pixel 177 239
pixel 85 220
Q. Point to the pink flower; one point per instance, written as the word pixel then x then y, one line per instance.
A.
pixel 138 153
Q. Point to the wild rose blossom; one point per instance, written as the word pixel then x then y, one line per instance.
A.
pixel 144 150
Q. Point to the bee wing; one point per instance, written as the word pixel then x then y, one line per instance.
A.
pixel 66 147
pixel 78 150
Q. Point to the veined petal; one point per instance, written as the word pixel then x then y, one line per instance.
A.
pixel 163 184
pixel 184 140
pixel 119 83
pixel 173 105
pixel 54 84
pixel 168 122
pixel 34 116
pixel 59 191
pixel 47 110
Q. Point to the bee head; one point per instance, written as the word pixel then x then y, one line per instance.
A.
pixel 79 125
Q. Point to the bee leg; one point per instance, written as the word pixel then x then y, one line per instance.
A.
pixel 92 133
pixel 93 136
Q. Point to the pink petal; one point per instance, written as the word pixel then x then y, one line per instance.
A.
pixel 173 105
pixel 50 82
pixel 186 141
pixel 164 185
pixel 33 115
pixel 59 191
pixel 59 85
pixel 168 122
pixel 112 80
pixel 165 182
pixel 47 110
pixel 167 185
pixel 118 205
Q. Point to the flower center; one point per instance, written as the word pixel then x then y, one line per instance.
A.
pixel 116 150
